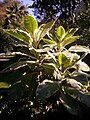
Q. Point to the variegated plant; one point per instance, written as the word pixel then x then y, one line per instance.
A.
pixel 47 66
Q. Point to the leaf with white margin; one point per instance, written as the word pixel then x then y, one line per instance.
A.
pixel 82 66
pixel 78 48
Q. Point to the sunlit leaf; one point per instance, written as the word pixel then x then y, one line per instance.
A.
pixel 79 48
pixel 60 32
pixel 82 66
pixel 30 24
pixel 69 40
pixel 45 28
pixel 63 61
pixel 4 85
pixel 5 56
pixel 74 83
pixel 19 34
pixel 48 41
pixel 43 50
pixel 70 33
pixel 71 56
pixel 60 59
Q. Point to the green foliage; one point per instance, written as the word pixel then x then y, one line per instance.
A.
pixel 11 14
pixel 83 22
pixel 4 85
pixel 30 24
pixel 60 32
pixel 64 8
pixel 19 35
pixel 71 13
pixel 47 67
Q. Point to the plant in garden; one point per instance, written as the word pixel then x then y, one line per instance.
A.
pixel 46 67
pixel 23 75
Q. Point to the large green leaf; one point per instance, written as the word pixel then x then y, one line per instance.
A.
pixel 46 89
pixel 30 24
pixel 63 61
pixel 20 35
pixel 60 32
